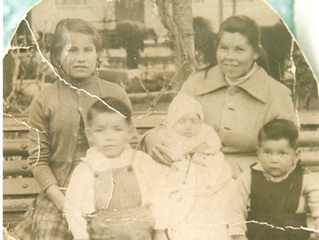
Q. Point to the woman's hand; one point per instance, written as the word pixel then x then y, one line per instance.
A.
pixel 56 196
pixel 158 147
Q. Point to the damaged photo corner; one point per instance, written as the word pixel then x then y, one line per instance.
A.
pixel 167 119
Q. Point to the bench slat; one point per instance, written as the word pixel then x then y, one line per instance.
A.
pixel 309 158
pixel 149 121
pixel 11 124
pixel 16 168
pixel 17 205
pixel 308 117
pixel 11 219
pixel 309 138
pixel 15 147
pixel 20 186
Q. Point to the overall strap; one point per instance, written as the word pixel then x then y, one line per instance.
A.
pixel 102 188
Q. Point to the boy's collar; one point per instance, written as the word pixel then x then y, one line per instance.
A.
pixel 269 177
pixel 100 163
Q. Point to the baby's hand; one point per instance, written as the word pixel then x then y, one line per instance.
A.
pixel 240 237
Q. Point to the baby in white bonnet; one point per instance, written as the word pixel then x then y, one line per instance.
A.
pixel 186 128
pixel 198 172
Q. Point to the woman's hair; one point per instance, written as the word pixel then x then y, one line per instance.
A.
pixel 280 129
pixel 62 35
pixel 110 105
pixel 248 28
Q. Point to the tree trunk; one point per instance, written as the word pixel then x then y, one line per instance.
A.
pixel 234 6
pixel 221 12
pixel 183 18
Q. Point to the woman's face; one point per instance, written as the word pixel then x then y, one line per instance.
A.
pixel 235 55
pixel 79 60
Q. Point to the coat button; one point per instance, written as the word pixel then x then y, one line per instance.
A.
pixel 231 91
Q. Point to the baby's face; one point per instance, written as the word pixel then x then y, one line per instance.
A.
pixel 276 156
pixel 188 125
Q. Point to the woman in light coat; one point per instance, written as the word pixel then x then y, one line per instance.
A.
pixel 237 95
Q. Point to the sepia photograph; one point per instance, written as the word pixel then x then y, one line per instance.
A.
pixel 159 119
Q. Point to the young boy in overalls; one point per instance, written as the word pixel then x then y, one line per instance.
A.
pixel 115 193
pixel 274 194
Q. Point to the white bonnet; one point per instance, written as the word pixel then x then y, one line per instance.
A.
pixel 181 105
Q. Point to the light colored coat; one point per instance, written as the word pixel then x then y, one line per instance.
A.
pixel 237 113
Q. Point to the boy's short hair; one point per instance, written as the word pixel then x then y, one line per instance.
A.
pixel 280 129
pixel 110 105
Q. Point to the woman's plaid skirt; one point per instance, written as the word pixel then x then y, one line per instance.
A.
pixel 43 221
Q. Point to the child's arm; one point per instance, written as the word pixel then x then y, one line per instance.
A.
pixel 79 199
pixel 149 174
pixel 317 226
pixel 239 205
pixel 311 191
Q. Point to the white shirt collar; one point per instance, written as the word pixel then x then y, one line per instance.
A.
pixel 235 82
pixel 101 163
pixel 269 177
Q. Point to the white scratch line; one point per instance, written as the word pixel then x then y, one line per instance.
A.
pixel 279 228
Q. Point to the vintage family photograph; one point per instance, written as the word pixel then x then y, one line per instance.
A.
pixel 158 120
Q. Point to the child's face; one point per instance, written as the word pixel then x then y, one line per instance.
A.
pixel 79 60
pixel 109 132
pixel 188 125
pixel 276 156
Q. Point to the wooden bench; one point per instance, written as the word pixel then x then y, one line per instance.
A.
pixel 20 188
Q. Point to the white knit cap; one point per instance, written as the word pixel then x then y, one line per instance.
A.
pixel 181 105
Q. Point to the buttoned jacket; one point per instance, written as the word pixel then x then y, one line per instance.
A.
pixel 54 122
pixel 238 113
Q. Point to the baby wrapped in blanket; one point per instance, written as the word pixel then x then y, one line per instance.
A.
pixel 199 182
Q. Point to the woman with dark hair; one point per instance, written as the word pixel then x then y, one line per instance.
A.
pixel 57 126
pixel 237 95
